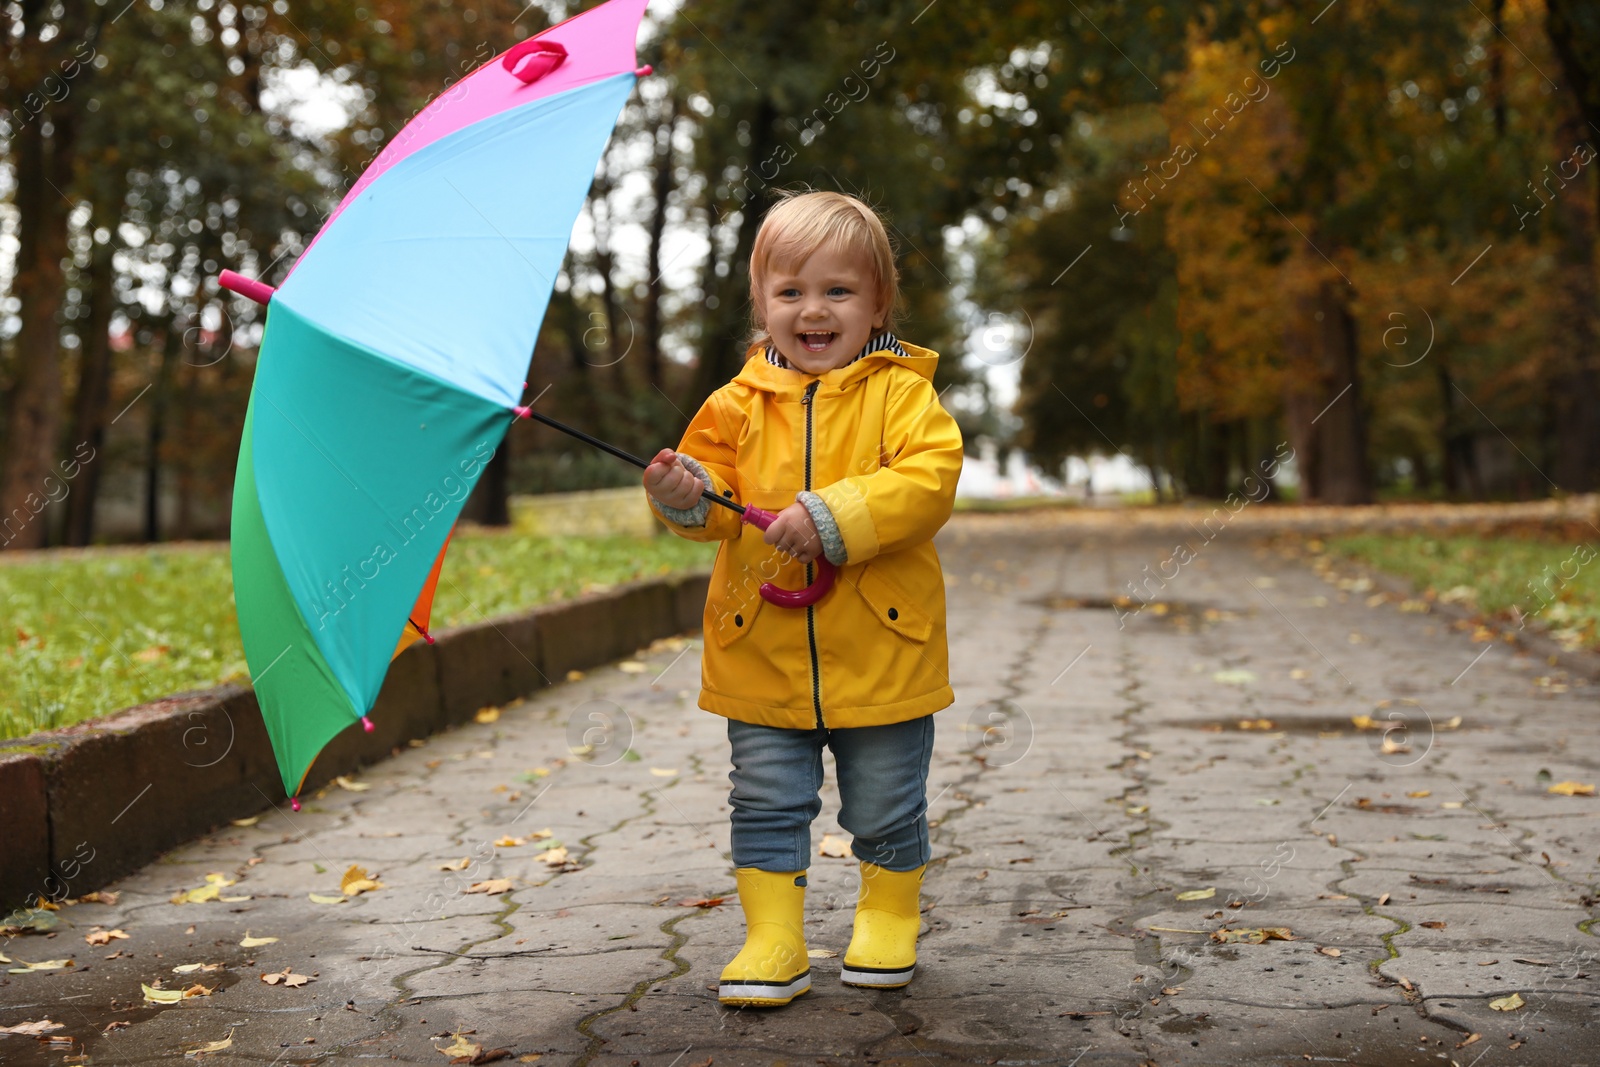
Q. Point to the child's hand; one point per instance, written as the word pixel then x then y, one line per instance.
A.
pixel 795 533
pixel 670 481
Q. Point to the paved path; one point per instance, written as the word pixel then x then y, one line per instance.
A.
pixel 1093 769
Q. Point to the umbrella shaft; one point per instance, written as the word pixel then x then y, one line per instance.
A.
pixel 615 451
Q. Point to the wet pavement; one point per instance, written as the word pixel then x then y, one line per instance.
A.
pixel 1135 802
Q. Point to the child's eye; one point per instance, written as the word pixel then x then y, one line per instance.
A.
pixel 790 292
pixel 838 290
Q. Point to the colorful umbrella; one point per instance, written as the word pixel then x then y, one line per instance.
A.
pixel 393 363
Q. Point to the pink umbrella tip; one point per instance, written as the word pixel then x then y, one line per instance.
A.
pixel 260 292
pixel 294 802
pixel 523 412
pixel 642 71
pixel 366 724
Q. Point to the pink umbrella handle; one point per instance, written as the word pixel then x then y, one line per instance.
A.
pixel 790 598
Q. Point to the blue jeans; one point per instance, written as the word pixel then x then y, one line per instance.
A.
pixel 883 783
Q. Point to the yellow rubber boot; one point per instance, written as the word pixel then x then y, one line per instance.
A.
pixel 883 951
pixel 772 968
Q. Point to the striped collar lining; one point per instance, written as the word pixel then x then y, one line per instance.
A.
pixel 883 342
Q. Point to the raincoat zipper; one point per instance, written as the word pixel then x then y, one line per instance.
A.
pixel 811 611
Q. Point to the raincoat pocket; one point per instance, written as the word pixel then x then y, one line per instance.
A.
pixel 729 617
pixel 892 605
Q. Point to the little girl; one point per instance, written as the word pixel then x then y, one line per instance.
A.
pixel 834 424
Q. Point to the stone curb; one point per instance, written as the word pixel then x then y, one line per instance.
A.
pixel 89 803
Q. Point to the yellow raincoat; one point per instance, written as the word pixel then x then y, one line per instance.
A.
pixel 872 441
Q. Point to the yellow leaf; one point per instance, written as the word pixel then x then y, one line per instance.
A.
pixel 835 846
pixel 1364 722
pixel 555 857
pixel 1511 1003
pixel 98 936
pixel 346 782
pixel 215 1046
pixel 510 842
pixel 256 942
pixel 1420 793
pixel 1570 789
pixel 632 666
pixel 42 965
pixel 356 881
pixel 461 1047
pixel 1198 894
pixel 191 968
pixel 574 676
pixel 540 835
pixel 287 978
pixel 487 715
pixel 664 772
pixel 251 821
pixel 459 865
pixel 493 887
pixel 198 990
pixel 161 996
pixel 321 898
pixel 1326 951
pixel 1256 724
pixel 1251 936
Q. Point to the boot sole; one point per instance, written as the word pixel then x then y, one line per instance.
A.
pixel 870 978
pixel 752 994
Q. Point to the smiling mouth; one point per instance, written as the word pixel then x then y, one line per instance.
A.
pixel 816 342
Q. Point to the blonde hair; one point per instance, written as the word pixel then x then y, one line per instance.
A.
pixel 802 222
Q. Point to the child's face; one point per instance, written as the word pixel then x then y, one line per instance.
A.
pixel 822 311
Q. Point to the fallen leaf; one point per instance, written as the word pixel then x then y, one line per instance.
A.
pixel 702 902
pixel 42 965
pixel 215 1046
pixel 286 977
pixel 1383 900
pixel 1451 804
pixel 43 1026
pixel 346 782
pixel 555 857
pixel 323 898
pixel 461 1047
pixel 1252 935
pixel 1420 793
pixel 1256 724
pixel 1327 951
pixel 1171 990
pixel 216 882
pixel 256 942
pixel 632 666
pixel 1234 677
pixel 1471 1039
pixel 835 846
pixel 97 936
pixel 530 1057
pixel 161 996
pixel 487 715
pixel 1198 894
pixel 1365 722
pixel 1391 747
pixel 114 1025
pixel 821 953
pixel 510 842
pixel 575 676
pixel 1571 789
pixel 356 881
pixel 540 835
pixel 494 887
pixel 1433 925
pixel 251 821
pixel 99 897
pixel 664 772
pixel 1511 1003
pixel 459 865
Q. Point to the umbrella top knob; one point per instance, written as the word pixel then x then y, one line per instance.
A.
pixel 533 59
pixel 366 724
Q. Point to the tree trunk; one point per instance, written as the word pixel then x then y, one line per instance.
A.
pixel 1342 422
pixel 1572 381
pixel 1459 469
pixel 43 165
pixel 490 502
pixel 93 397
pixel 156 437
pixel 650 350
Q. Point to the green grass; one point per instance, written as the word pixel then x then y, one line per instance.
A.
pixel 91 635
pixel 1550 581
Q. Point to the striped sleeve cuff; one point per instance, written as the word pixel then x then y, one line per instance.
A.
pixel 822 516
pixel 695 516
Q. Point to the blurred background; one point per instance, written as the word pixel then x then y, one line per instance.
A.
pixel 1332 252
